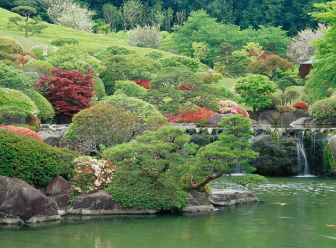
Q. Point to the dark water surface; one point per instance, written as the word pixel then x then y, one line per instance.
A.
pixel 294 213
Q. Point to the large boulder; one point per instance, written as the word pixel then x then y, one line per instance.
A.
pixel 198 202
pixel 287 118
pixel 276 157
pixel 22 203
pixel 99 203
pixel 52 134
pixel 266 118
pixel 228 197
pixel 216 118
pixel 59 190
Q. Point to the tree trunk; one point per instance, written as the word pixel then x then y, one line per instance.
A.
pixel 205 181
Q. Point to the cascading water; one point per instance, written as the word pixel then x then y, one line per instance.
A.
pixel 301 153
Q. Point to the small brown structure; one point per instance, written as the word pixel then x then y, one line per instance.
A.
pixel 305 68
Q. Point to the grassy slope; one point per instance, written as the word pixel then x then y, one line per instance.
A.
pixel 87 41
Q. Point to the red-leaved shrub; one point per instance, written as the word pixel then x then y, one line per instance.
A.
pixel 300 105
pixel 21 59
pixel 23 131
pixel 67 91
pixel 197 115
pixel 143 83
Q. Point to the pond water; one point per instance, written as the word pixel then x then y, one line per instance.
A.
pixel 294 212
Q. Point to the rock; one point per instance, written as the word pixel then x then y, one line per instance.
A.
pixel 287 118
pixel 22 203
pixel 59 190
pixel 266 118
pixel 100 203
pixel 198 202
pixel 227 197
pixel 216 118
pixel 299 113
pixel 303 121
pixel 276 157
pixel 52 134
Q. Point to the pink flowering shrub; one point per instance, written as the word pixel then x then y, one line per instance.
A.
pixel 24 131
pixel 300 105
pixel 232 107
pixel 91 174
pixel 323 109
pixel 285 109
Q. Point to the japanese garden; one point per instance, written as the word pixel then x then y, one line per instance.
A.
pixel 173 123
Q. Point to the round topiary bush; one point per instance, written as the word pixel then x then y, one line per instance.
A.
pixel 46 110
pixel 24 131
pixel 13 78
pixel 99 88
pixel 323 109
pixel 129 88
pixel 32 160
pixel 37 69
pixel 43 52
pixel 10 45
pixel 15 103
pixel 101 126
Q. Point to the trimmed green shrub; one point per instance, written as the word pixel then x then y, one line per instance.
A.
pixel 37 69
pixel 129 88
pixel 99 88
pixel 47 111
pixel 31 160
pixel 17 101
pixel 64 41
pixel 43 52
pixel 13 78
pixel 140 108
pixel 101 126
pixel 106 55
pixel 180 61
pixel 144 192
pixel 155 55
pixel 10 45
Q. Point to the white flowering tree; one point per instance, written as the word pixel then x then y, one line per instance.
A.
pixel 301 49
pixel 69 13
pixel 148 36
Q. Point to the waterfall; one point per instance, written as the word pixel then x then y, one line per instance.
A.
pixel 302 153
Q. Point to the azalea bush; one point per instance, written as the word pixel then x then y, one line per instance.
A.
pixel 285 109
pixel 300 105
pixel 34 122
pixel 323 109
pixel 24 131
pixel 199 116
pixel 143 83
pixel 91 174
pixel 232 107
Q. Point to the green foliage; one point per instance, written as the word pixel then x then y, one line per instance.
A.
pixel 249 180
pixel 328 160
pixel 46 111
pixel 10 45
pixel 99 88
pixel 31 160
pixel 284 83
pixel 43 52
pixel 128 67
pixel 64 41
pixel 100 126
pixel 37 69
pixel 323 109
pixel 106 55
pixel 255 91
pixel 322 78
pixel 14 100
pixel 143 192
pixel 231 148
pixel 129 88
pixel 180 61
pixel 143 110
pixel 155 55
pixel 70 57
pixel 13 78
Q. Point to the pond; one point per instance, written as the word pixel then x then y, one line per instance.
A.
pixel 294 212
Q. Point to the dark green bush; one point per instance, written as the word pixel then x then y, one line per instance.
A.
pixel 64 41
pixel 154 55
pixel 129 88
pixel 99 88
pixel 144 192
pixel 31 160
pixel 106 55
pixel 180 61
pixel 47 112
pixel 13 78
